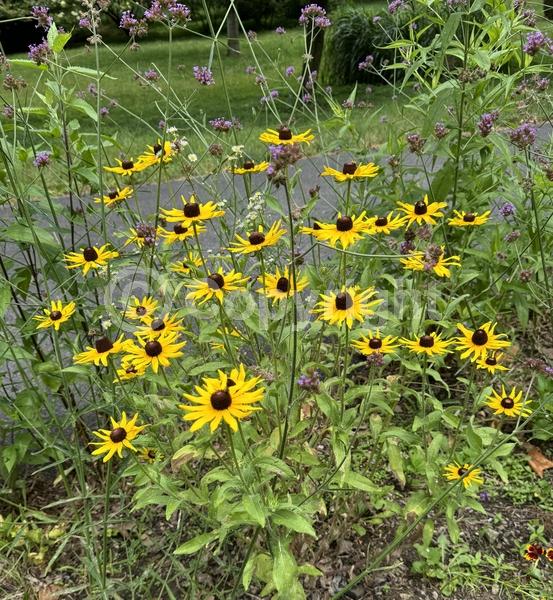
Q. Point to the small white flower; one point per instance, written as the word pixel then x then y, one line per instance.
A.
pixel 238 150
pixel 171 130
pixel 192 157
pixel 106 324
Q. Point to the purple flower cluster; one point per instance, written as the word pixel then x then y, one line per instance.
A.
pixel 307 98
pixel 223 125
pixel 395 5
pixel 147 233
pixel 260 80
pixel 8 111
pixel 529 17
pixel 252 35
pixel 203 75
pixel 313 13
pixel 42 159
pixel 347 104
pixel 289 71
pixel 280 30
pixel 282 156
pixel 167 9
pixel 39 53
pixel 273 94
pixel 151 75
pixel 486 123
pixel 135 27
pixel 104 111
pixel 507 209
pixel 512 236
pixel 85 23
pixel 523 136
pixel 364 65
pixel 310 381
pixel 440 130
pixel 40 13
pixel 536 41
pixel 250 70
pixel 416 142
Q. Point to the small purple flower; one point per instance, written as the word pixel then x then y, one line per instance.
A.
pixel 39 53
pixel 104 111
pixel 416 142
pixel 274 94
pixel 250 70
pixel 42 159
pixel 395 5
pixel 347 104
pixel 523 136
pixel 440 130
pixel 135 27
pixel 161 125
pixel 40 13
pixel 203 75
pixel 512 236
pixel 151 75
pixel 365 65
pixel 316 14
pixel 486 123
pixel 280 30
pixel 147 233
pixel 289 71
pixel 377 19
pixel 252 35
pixel 223 125
pixel 307 98
pixel 180 11
pixel 406 247
pixel 376 359
pixel 85 23
pixel 529 17
pixel 542 83
pixel 91 89
pixel 310 381
pixel 155 12
pixel 260 80
pixel 484 496
pixel 507 209
pixel 536 41
pixel 8 111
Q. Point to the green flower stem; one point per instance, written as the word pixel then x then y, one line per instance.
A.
pixel 104 557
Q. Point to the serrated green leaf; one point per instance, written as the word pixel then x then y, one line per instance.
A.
pixel 293 521
pixel 197 543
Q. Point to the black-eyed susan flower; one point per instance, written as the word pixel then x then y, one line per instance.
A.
pixel 231 335
pixel 156 153
pixel 120 436
pixel 510 405
pixel 385 224
pixel 348 305
pixel 258 240
pixel 127 371
pixel 192 212
pixel 468 219
pixel 280 285
pixel 533 552
pixel 466 472
pixel 491 362
pixel 92 257
pixel 549 554
pixel 126 167
pixel 223 398
pixel 284 136
pixel 141 309
pixel 216 285
pixel 153 328
pixel 346 230
pixel 422 212
pixel 115 196
pixel 143 235
pixel 154 353
pixel 374 343
pixel 180 232
pixel 350 171
pixel 189 263
pixel 477 344
pixel 149 455
pixel 250 167
pixel 433 259
pixel 430 344
pixel 54 316
pixel 102 350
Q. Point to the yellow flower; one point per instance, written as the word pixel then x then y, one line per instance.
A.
pixel 284 136
pixel 153 352
pixel 141 309
pixel 510 405
pixel 127 371
pixel 90 258
pixel 429 344
pixel 192 261
pixel 491 362
pixel 420 261
pixel 228 398
pixel 348 305
pixel 470 219
pixel 375 343
pixel 478 343
pixel 192 212
pixel 180 233
pixel 126 167
pixel 385 224
pixel 422 212
pixel 55 315
pixel 141 238
pixel 115 196
pixel 467 473
pixel 216 285
pixel 230 333
pixel 346 230
pixel 534 552
pixel 120 436
pixel 155 153
pixel 250 167
pixel 280 286
pixel 153 328
pixel 149 455
pixel 351 170
pixel 103 349
pixel 258 239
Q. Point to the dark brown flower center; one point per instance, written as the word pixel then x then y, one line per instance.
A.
pixel 349 168
pixel 118 435
pixel 153 348
pixel 90 254
pixel 256 238
pixel 479 337
pixel 103 345
pixel 127 164
pixel 230 382
pixel 220 400
pixel 178 229
pixel 421 208
pixel 507 402
pixel 157 325
pixel 248 165
pixel 141 311
pixel 112 195
pixel 375 343
pixel 461 471
pixel 157 148
pixel 283 284
pixel 316 226
pixel 55 315
pixel 469 218
pixel 381 221
pixel 344 224
pixel 215 281
pixel 426 341
pixel 130 370
pixel 284 133
pixel 191 210
pixel 151 454
pixel 343 301
pixel 491 361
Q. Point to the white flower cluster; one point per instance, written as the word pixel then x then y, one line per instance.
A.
pixel 256 207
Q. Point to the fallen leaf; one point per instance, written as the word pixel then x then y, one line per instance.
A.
pixel 50 592
pixel 537 461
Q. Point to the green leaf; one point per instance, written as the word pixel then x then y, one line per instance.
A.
pixel 5 298
pixel 255 509
pixel 24 234
pixel 294 521
pixel 197 543
pixel 395 461
pixel 86 72
pixel 27 64
pixel 84 107
pixel 284 568
pixel 360 482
